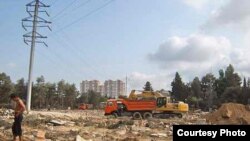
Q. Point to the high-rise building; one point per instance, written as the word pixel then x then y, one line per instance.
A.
pixel 120 88
pixel 101 89
pixel 86 86
pixel 114 88
pixel 110 88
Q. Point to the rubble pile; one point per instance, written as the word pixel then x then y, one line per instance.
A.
pixel 92 125
pixel 6 113
pixel 230 113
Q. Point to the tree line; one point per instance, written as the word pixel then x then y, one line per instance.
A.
pixel 60 95
pixel 210 92
pixel 204 93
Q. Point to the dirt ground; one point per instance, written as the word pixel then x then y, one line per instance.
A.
pixel 92 125
pixel 230 113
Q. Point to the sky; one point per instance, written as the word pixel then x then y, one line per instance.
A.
pixel 145 40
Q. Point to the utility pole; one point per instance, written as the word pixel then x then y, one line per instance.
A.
pixel 34 21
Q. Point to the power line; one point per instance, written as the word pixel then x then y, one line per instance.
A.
pixel 64 9
pixel 81 5
pixel 85 16
pixel 51 61
pixel 65 44
pixel 84 3
pixel 93 68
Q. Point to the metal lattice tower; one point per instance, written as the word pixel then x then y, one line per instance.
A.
pixel 31 24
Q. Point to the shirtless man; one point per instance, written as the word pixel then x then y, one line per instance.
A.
pixel 19 109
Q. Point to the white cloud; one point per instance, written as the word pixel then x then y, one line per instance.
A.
pixel 234 13
pixel 194 55
pixel 198 54
pixel 193 51
pixel 197 4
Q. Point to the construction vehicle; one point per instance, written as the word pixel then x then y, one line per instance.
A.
pixel 85 106
pixel 145 105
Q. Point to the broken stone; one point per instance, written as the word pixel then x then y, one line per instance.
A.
pixel 121 132
pixel 30 137
pixel 140 129
pixel 158 135
pixel 70 123
pixel 40 136
pixel 74 131
pixel 79 138
pixel 227 114
pixel 57 122
pixel 170 133
pixel 201 122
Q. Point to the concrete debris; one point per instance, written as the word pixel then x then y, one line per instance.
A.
pixel 79 138
pixel 57 122
pixel 121 132
pixel 158 135
pixel 92 125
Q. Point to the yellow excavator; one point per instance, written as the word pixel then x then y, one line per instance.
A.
pixel 164 104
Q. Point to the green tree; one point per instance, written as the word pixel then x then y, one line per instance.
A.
pixel 83 98
pixel 6 87
pixel 248 83
pixel 21 89
pixel 61 92
pixel 179 90
pixel 39 93
pixel 51 95
pixel 245 92
pixel 94 98
pixel 232 78
pixel 232 94
pixel 196 91
pixel 220 83
pixel 244 83
pixel 208 88
pixel 208 80
pixel 70 95
pixel 196 88
pixel 148 87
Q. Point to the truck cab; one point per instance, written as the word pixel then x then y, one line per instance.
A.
pixel 111 107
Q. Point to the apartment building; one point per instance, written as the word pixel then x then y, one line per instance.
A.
pixel 111 88
pixel 86 86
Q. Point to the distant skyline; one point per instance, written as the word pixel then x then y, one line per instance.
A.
pixel 145 40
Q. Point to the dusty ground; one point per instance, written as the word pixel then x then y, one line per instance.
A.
pixel 92 125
